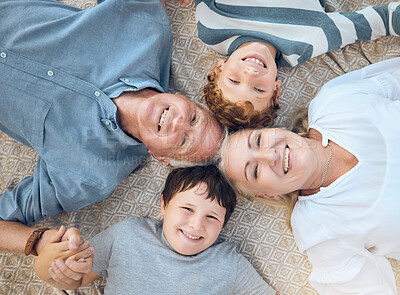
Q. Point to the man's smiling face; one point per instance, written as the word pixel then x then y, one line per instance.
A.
pixel 173 127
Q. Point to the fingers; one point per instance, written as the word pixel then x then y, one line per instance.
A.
pixel 82 265
pixel 58 235
pixel 85 253
pixel 62 273
pixel 73 235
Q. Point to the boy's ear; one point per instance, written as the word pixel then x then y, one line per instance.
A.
pixel 265 196
pixel 163 160
pixel 162 210
pixel 278 87
pixel 218 67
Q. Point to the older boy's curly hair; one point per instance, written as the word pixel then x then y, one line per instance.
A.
pixel 237 115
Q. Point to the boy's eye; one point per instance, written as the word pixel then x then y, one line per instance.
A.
pixel 187 209
pixel 258 140
pixel 212 217
pixel 258 89
pixel 234 81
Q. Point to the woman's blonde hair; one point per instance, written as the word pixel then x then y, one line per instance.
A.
pixel 299 125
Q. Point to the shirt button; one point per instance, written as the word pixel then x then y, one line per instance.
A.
pixel 126 80
pixel 107 123
pixel 50 73
pixel 3 55
pixel 97 93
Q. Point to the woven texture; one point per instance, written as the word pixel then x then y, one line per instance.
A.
pixel 258 231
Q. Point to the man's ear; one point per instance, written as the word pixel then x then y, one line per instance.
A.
pixel 265 196
pixel 278 87
pixel 163 160
pixel 162 210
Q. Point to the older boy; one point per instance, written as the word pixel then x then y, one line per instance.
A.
pixel 262 36
pixel 179 255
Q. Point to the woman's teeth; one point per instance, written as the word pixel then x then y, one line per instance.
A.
pixel 286 167
pixel 256 60
pixel 162 119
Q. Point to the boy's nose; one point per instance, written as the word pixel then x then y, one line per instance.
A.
pixel 250 71
pixel 196 222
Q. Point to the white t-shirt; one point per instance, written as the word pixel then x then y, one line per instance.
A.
pixel 349 228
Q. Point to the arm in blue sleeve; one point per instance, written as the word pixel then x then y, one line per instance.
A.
pixel 47 193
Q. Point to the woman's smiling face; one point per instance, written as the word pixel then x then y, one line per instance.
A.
pixel 269 161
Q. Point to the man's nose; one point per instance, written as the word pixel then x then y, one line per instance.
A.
pixel 179 124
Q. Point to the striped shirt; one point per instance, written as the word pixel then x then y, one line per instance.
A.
pixel 298 29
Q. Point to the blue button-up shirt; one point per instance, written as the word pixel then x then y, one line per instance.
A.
pixel 60 67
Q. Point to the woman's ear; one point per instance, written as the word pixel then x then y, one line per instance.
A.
pixel 265 196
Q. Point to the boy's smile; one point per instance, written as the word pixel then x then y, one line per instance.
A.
pixel 192 223
pixel 249 74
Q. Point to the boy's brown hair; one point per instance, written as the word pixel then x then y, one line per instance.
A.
pixel 183 179
pixel 237 115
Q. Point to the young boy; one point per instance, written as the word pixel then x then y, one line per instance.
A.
pixel 262 36
pixel 179 255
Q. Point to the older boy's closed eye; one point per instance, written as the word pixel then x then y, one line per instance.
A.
pixel 179 255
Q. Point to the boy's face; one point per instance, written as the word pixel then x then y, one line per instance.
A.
pixel 192 223
pixel 249 75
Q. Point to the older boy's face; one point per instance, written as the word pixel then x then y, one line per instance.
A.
pixel 192 223
pixel 249 75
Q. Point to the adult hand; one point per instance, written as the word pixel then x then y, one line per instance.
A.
pixel 182 2
pixel 72 235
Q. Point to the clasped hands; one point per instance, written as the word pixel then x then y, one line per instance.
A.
pixel 63 257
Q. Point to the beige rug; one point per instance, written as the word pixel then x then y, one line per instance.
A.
pixel 258 231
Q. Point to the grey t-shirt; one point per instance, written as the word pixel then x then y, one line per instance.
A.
pixel 137 259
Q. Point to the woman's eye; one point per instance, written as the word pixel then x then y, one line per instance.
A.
pixel 256 172
pixel 183 141
pixel 258 89
pixel 234 81
pixel 194 118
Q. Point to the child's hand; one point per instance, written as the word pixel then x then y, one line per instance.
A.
pixel 73 269
pixel 182 2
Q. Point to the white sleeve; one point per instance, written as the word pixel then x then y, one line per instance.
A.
pixel 387 66
pixel 341 268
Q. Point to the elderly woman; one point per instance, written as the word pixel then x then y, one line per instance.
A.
pixel 341 181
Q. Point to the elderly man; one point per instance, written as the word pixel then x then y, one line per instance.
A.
pixel 85 89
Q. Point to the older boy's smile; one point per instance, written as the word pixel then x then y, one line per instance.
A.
pixel 191 237
pixel 192 223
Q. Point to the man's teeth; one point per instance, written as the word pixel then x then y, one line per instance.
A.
pixel 256 60
pixel 286 167
pixel 162 119
pixel 190 237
